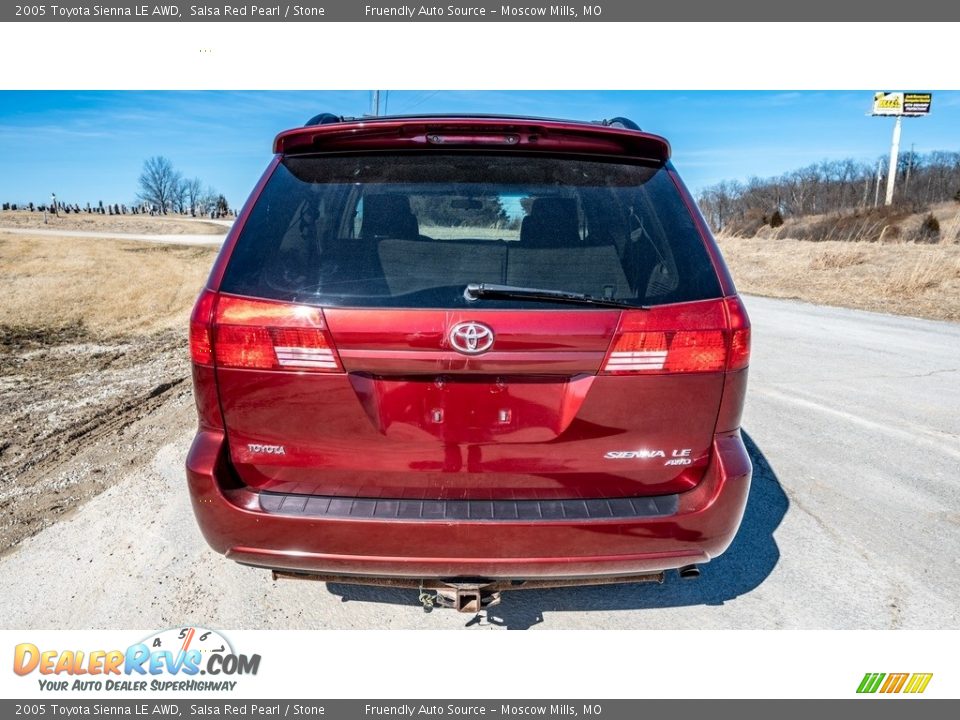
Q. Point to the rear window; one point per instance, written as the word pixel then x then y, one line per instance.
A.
pixel 414 230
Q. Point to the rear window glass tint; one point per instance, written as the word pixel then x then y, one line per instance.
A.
pixel 414 230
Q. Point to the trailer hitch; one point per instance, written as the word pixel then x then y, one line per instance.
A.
pixel 462 597
pixel 467 595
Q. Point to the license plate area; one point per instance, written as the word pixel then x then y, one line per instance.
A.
pixel 472 410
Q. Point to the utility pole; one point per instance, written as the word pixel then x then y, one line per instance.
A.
pixel 894 152
pixel 376 103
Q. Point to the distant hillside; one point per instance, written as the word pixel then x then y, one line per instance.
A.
pixel 842 200
pixel 938 223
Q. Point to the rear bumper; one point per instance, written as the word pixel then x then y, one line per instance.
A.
pixel 700 525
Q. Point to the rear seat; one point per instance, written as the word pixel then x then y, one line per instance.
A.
pixel 412 265
pixel 594 270
pixel 578 264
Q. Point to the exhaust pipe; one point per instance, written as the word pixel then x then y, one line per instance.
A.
pixel 689 572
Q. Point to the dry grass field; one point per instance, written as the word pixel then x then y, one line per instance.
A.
pixel 109 288
pixel 921 280
pixel 135 224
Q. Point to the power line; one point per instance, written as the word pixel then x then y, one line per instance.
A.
pixel 421 100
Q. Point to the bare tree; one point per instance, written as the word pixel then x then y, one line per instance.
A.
pixel 207 202
pixel 178 196
pixel 159 183
pixel 194 190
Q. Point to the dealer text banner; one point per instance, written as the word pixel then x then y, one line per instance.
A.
pixel 480 11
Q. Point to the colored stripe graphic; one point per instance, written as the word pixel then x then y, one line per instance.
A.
pixel 895 682
pixel 918 683
pixel 870 682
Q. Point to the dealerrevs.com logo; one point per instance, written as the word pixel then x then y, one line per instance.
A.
pixel 181 659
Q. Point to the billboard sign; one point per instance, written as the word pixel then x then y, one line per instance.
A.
pixel 902 103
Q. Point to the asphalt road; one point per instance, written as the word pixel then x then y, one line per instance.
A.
pixel 853 422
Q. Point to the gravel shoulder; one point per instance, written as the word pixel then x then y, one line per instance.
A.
pixel 68 411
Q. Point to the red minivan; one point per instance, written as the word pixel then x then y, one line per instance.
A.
pixel 468 354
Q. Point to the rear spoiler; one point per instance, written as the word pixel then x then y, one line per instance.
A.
pixel 505 133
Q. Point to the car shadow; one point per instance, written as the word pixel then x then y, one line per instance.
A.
pixel 744 566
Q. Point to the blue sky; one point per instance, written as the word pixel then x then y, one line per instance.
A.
pixel 90 146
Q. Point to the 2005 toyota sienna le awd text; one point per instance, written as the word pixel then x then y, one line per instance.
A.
pixel 469 352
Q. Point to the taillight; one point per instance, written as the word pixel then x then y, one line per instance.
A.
pixel 710 336
pixel 668 352
pixel 201 320
pixel 739 324
pixel 264 335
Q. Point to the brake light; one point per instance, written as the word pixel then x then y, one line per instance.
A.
pixel 711 336
pixel 201 347
pixel 471 139
pixel 261 335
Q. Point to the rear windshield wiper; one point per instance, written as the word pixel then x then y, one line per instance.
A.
pixel 475 291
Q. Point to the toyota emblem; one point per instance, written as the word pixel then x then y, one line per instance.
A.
pixel 471 338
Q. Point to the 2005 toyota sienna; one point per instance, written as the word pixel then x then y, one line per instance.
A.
pixel 468 354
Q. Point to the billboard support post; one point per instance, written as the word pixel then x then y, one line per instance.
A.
pixel 898 105
pixel 894 155
pixel 876 191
